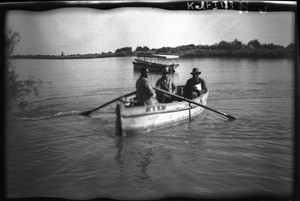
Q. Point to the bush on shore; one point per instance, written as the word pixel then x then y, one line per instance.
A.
pixel 16 89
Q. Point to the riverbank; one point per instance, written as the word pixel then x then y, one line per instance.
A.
pixel 197 54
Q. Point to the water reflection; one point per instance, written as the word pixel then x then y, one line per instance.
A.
pixel 143 164
pixel 133 159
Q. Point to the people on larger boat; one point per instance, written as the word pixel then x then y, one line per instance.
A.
pixel 165 83
pixel 145 93
pixel 195 86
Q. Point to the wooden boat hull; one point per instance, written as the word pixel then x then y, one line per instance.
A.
pixel 146 118
pixel 154 66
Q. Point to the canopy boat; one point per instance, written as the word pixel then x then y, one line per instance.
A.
pixel 156 62
pixel 132 119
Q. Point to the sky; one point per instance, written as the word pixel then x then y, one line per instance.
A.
pixel 89 31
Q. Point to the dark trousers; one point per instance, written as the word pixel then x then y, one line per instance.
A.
pixel 164 98
pixel 192 95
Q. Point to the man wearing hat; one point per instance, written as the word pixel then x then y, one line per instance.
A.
pixel 195 86
pixel 145 93
pixel 165 83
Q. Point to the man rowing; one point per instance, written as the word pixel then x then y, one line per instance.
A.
pixel 145 93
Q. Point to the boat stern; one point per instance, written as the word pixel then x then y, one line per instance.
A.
pixel 119 130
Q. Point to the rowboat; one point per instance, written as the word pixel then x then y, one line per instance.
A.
pixel 139 119
pixel 156 62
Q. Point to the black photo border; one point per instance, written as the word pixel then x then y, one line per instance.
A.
pixel 189 6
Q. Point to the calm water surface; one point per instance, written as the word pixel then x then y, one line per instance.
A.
pixel 52 151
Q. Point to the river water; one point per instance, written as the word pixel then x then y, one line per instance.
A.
pixel 52 151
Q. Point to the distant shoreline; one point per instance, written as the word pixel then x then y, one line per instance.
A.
pixel 230 54
pixel 235 49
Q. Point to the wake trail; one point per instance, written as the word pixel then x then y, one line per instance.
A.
pixel 51 116
pixel 57 115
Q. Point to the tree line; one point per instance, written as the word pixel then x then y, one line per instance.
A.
pixel 222 49
pixel 235 48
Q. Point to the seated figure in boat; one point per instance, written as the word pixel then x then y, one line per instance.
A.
pixel 165 83
pixel 145 93
pixel 195 86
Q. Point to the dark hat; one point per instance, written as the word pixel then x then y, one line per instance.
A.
pixel 165 71
pixel 195 71
pixel 144 70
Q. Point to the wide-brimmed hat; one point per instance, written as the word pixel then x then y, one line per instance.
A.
pixel 195 71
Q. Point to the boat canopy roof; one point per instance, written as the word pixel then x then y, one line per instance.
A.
pixel 164 56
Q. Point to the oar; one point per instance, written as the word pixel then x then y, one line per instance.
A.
pixel 190 101
pixel 86 113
